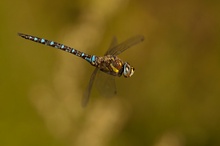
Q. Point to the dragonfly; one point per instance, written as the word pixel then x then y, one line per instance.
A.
pixel 110 63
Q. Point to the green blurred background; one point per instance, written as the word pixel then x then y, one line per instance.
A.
pixel 173 99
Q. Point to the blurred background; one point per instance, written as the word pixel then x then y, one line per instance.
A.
pixel 173 99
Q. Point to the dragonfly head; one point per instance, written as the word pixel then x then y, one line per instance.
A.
pixel 128 70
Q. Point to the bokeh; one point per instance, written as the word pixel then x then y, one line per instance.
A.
pixel 173 99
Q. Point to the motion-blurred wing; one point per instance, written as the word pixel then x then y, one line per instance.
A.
pixel 112 45
pixel 118 49
pixel 105 84
pixel 86 96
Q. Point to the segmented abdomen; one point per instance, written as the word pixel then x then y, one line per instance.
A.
pixel 90 58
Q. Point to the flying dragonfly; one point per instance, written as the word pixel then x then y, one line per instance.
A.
pixel 110 63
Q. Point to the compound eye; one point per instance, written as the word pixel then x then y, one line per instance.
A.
pixel 128 70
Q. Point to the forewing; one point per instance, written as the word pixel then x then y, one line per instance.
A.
pixel 118 49
pixel 114 42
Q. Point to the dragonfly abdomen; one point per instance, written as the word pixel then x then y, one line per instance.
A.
pixel 90 58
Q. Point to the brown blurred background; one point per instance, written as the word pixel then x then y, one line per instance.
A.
pixel 173 99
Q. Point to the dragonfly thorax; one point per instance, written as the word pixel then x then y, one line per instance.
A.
pixel 113 65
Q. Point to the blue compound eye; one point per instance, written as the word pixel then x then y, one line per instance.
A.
pixel 128 70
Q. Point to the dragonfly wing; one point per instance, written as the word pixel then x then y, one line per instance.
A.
pixel 106 84
pixel 86 96
pixel 112 45
pixel 116 50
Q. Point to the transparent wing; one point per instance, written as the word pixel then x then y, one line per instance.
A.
pixel 101 86
pixel 113 44
pixel 105 84
pixel 118 49
pixel 86 96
